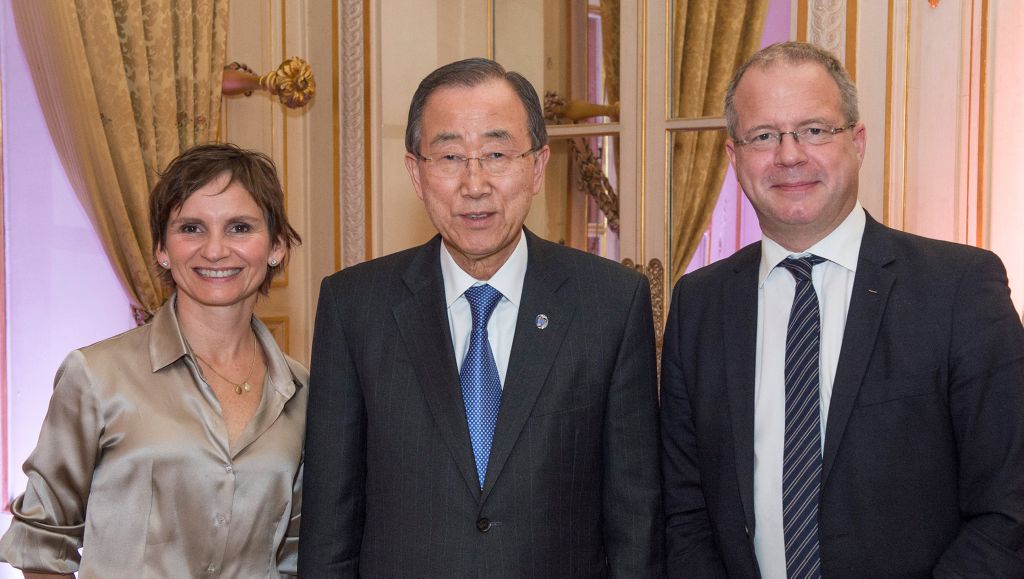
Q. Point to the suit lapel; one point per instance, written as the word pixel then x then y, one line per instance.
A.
pixel 740 323
pixel 871 288
pixel 423 324
pixel 533 349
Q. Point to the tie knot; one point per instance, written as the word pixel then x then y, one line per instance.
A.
pixel 801 267
pixel 482 299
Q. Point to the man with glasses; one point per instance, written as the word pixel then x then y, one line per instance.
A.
pixel 484 405
pixel 839 399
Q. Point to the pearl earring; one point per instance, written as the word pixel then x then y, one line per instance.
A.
pixel 273 262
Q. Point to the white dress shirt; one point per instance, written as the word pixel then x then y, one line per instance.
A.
pixel 833 283
pixel 501 328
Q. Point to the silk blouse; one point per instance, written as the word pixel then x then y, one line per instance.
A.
pixel 134 467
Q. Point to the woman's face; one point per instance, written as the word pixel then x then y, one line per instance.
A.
pixel 218 246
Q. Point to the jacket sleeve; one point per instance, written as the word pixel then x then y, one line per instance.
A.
pixel 333 490
pixel 634 528
pixel 49 517
pixel 690 546
pixel 986 398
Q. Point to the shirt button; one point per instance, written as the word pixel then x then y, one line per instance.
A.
pixel 220 520
pixel 228 468
pixel 211 569
pixel 483 525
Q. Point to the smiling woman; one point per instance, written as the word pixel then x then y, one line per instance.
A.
pixel 176 448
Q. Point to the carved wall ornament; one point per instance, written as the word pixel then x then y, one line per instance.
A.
pixel 655 273
pixel 292 82
pixel 590 175
pixel 827 25
pixel 354 167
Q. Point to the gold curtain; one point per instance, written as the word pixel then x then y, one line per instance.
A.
pixel 711 38
pixel 125 85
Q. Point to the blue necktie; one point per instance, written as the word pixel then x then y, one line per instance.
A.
pixel 481 386
pixel 801 462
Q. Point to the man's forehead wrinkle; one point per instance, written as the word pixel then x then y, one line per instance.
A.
pixel 493 134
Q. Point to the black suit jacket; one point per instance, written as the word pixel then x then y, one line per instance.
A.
pixel 573 483
pixel 923 465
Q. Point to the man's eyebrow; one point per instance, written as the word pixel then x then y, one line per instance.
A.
pixel 493 134
pixel 803 123
pixel 445 138
pixel 499 134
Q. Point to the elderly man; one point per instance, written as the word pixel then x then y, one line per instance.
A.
pixel 840 399
pixel 483 405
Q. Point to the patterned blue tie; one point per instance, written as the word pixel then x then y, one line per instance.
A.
pixel 481 386
pixel 801 462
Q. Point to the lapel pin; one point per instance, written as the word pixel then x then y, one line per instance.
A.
pixel 872 291
pixel 542 321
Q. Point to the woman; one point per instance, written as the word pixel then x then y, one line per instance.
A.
pixel 175 449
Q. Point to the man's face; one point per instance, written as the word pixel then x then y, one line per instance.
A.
pixel 800 192
pixel 479 215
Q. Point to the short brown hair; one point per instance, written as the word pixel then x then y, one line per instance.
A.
pixel 469 73
pixel 793 53
pixel 199 165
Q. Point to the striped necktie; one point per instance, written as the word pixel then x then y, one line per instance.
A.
pixel 801 463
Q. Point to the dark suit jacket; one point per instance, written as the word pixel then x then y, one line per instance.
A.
pixel 923 466
pixel 573 484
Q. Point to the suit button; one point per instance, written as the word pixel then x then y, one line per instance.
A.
pixel 483 525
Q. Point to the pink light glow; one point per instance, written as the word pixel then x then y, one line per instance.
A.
pixel 61 290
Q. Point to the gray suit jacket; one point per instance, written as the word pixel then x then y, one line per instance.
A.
pixel 572 487
pixel 923 465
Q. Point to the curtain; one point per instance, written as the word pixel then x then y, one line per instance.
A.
pixel 711 38
pixel 125 86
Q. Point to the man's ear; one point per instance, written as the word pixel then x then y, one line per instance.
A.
pixel 412 165
pixel 540 162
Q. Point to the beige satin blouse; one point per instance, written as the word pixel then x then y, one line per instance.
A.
pixel 133 465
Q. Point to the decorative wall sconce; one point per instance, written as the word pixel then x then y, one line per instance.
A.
pixel 559 109
pixel 292 82
pixel 590 175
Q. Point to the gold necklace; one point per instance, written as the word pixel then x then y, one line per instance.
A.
pixel 240 387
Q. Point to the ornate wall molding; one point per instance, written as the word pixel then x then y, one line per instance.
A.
pixel 353 134
pixel 827 26
pixel 655 273
pixel 278 327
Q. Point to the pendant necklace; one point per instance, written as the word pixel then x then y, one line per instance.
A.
pixel 240 387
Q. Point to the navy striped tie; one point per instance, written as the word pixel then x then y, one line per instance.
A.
pixel 801 462
pixel 481 385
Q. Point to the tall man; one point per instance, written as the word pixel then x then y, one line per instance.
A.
pixel 483 405
pixel 840 399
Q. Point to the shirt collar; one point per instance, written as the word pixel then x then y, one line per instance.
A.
pixel 841 247
pixel 167 345
pixel 508 279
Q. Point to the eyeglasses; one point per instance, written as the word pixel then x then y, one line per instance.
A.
pixel 494 164
pixel 810 135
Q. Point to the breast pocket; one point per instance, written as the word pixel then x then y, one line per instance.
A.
pixel 875 392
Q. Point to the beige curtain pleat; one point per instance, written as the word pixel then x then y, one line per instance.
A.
pixel 125 86
pixel 711 39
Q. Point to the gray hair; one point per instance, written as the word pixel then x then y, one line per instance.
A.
pixel 469 73
pixel 793 53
